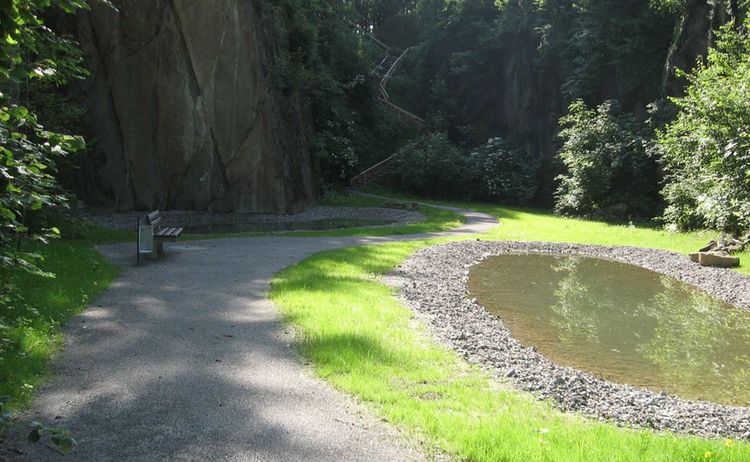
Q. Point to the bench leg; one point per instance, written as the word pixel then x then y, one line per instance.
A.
pixel 159 248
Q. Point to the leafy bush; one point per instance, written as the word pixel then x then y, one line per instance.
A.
pixel 433 167
pixel 609 172
pixel 323 58
pixel 28 154
pixel 706 150
pixel 503 173
pixel 496 171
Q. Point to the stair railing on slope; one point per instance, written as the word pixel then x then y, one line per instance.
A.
pixel 386 99
pixel 362 179
pixel 391 70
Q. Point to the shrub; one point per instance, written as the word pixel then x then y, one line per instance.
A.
pixel 433 167
pixel 609 172
pixel 706 150
pixel 503 173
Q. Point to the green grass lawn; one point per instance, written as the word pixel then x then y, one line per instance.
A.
pixel 534 225
pixel 360 338
pixel 33 336
pixel 526 224
pixel 365 343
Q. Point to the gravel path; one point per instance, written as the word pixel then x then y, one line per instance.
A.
pixel 185 218
pixel 433 283
pixel 184 358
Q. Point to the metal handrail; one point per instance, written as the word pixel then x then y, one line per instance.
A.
pixel 386 160
pixel 402 111
pixel 386 99
pixel 389 74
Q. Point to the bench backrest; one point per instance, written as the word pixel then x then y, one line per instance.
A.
pixel 154 218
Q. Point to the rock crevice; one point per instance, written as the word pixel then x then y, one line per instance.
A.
pixel 189 118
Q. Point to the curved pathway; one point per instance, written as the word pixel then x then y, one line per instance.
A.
pixel 185 358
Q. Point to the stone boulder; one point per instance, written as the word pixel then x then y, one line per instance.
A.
pixel 184 110
pixel 717 259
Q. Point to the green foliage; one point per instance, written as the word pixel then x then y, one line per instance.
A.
pixel 27 182
pixel 31 50
pixel 326 60
pixel 608 168
pixel 31 56
pixel 479 58
pixel 707 148
pixel 608 38
pixel 503 173
pixel 28 153
pixel 433 167
pixel 60 437
pixel 497 171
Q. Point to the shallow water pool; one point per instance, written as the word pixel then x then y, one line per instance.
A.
pixel 621 323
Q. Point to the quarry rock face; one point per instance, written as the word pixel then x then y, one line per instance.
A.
pixel 184 111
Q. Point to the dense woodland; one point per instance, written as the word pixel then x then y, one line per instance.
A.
pixel 601 108
pixel 606 109
pixel 593 107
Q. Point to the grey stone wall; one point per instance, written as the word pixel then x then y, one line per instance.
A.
pixel 183 110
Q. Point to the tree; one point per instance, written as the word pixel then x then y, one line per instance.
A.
pixel 30 51
pixel 605 153
pixel 706 150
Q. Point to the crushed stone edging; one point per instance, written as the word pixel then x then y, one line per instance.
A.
pixel 432 282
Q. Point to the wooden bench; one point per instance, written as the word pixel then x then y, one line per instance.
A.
pixel 151 235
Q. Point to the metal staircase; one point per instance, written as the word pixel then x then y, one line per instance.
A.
pixel 380 170
pixel 386 69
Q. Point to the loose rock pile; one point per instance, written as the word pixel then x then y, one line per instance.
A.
pixel 728 244
pixel 433 283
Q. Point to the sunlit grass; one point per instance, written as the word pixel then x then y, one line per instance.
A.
pixel 365 343
pixel 526 224
pixel 45 303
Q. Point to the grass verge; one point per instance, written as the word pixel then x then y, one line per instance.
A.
pixel 527 224
pixel 436 220
pixel 32 335
pixel 365 343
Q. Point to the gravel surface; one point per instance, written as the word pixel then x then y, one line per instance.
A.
pixel 185 218
pixel 184 358
pixel 433 283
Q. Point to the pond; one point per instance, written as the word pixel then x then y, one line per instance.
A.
pixel 269 227
pixel 621 323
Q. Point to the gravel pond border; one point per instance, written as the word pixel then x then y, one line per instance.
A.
pixel 433 283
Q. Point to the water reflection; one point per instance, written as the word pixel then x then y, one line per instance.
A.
pixel 622 323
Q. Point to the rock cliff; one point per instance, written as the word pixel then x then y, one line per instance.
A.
pixel 184 112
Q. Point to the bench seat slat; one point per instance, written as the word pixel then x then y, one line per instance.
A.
pixel 163 232
pixel 157 234
pixel 168 232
